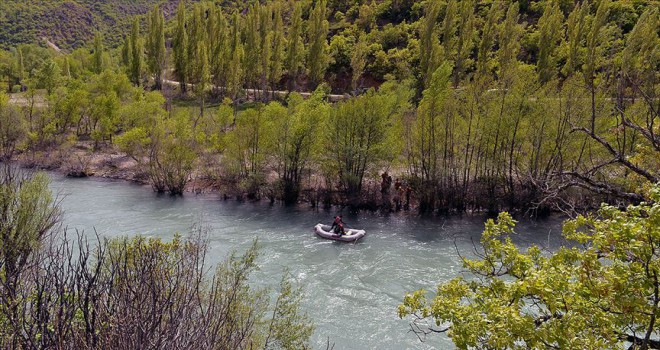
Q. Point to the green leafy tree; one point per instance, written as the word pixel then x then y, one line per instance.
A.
pixel 358 136
pixel 600 292
pixel 107 92
pixel 196 36
pixel 12 128
pixel 509 41
pixel 126 52
pixel 29 213
pixel 289 328
pixel 49 76
pixel 549 34
pixel 155 45
pixel 135 70
pixel 427 141
pixel 358 61
pixel 295 49
pixel 180 48
pixel 203 80
pixel 594 38
pixel 221 51
pixel 429 46
pixel 278 42
pixel 247 146
pixel 317 58
pixel 295 139
pixel 236 70
pixel 165 148
pixel 488 34
pixel 246 151
pixel 266 43
pixel 448 30
pixel 575 30
pixel 98 53
pixel 464 40
pixel 252 47
pixel 19 66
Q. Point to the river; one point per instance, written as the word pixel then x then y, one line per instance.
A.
pixel 351 291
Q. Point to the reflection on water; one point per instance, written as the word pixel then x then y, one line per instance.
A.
pixel 351 290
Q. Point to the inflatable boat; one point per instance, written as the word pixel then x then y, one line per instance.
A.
pixel 350 236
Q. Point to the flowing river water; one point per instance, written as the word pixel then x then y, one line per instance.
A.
pixel 351 291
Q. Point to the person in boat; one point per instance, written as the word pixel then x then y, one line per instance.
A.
pixel 338 226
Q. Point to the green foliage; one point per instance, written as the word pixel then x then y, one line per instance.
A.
pixel 76 24
pixel 430 50
pixel 165 148
pixel 295 52
pixel 180 47
pixel 278 42
pixel 49 76
pixel 357 135
pixel 98 53
pixel 317 58
pixel 155 45
pixel 502 135
pixel 549 34
pixel 427 128
pixel 358 62
pixel 13 130
pixel 135 67
pixel 246 146
pixel 289 328
pixel 76 295
pixel 295 140
pixel 29 214
pixel 600 292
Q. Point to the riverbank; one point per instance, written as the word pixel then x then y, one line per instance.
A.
pixel 83 160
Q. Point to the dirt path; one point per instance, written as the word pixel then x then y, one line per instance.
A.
pixel 21 100
pixel 280 93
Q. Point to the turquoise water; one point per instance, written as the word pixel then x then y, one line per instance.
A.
pixel 351 290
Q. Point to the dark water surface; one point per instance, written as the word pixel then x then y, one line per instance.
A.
pixel 351 290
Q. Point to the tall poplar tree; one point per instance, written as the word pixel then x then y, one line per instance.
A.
pixel 488 34
pixel 509 42
pixel 235 79
pixel 20 67
pixel 278 43
pixel 593 41
pixel 136 53
pixel 294 54
pixel 251 60
pixel 429 46
pixel 448 30
pixel 464 42
pixel 220 57
pixel 126 52
pixel 318 59
pixel 155 46
pixel 549 33
pixel 180 46
pixel 575 27
pixel 358 61
pixel 98 53
pixel 266 41
pixel 196 35
pixel 204 76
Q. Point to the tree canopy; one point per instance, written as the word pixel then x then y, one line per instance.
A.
pixel 599 291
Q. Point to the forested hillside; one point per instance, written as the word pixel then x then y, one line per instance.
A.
pixel 472 104
pixel 66 23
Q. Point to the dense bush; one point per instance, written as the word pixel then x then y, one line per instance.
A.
pixel 73 292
